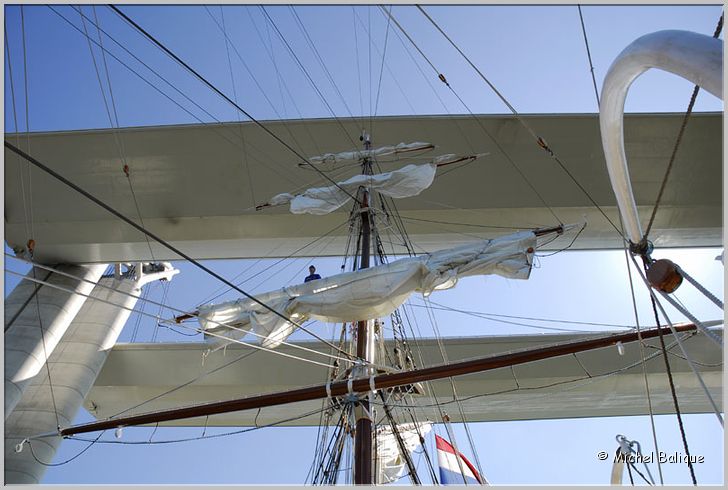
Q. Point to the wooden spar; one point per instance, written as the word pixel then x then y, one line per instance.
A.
pixel 363 434
pixel 362 385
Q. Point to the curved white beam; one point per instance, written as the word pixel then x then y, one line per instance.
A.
pixel 693 56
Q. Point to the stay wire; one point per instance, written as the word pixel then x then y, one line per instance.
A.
pixel 46 359
pixel 313 84
pixel 43 463
pixel 630 464
pixel 281 81
pixel 229 43
pixel 30 219
pixel 588 54
pixel 381 71
pixel 165 291
pixel 199 438
pixel 672 388
pixel 221 94
pixel 675 147
pixel 356 55
pixel 138 322
pixel 113 122
pixel 27 120
pixel 244 153
pixel 642 354
pixel 17 133
pixel 700 328
pixel 541 143
pixel 267 269
pixel 312 45
pixel 475 118
pixel 432 88
pixel 459 406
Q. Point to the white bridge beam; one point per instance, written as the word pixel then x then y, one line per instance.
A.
pixel 74 366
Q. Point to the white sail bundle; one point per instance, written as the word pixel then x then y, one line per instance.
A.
pixel 407 181
pixel 369 293
pixel 451 158
pixel 332 160
pixel 391 463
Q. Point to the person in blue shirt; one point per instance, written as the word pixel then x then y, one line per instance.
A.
pixel 312 274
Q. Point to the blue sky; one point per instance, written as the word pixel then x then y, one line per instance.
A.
pixel 534 55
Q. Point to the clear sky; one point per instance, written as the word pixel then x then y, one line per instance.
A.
pixel 534 54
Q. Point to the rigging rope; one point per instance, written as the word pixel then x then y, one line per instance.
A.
pixel 656 304
pixel 17 133
pixel 485 315
pixel 244 153
pixel 588 54
pixel 672 385
pixel 281 81
pixel 540 141
pixel 150 442
pixel 432 89
pixel 480 124
pixel 464 420
pixel 29 221
pixel 27 121
pixel 381 72
pixel 313 84
pixel 114 123
pixel 143 299
pixel 315 51
pixel 625 247
pixel 699 287
pixel 45 351
pixel 229 43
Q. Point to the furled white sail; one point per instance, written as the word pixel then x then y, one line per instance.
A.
pixel 390 462
pixel 451 158
pixel 369 293
pixel 331 160
pixel 407 181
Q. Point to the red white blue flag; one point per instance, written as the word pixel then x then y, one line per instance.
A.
pixel 450 469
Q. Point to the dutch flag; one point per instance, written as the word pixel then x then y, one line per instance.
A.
pixel 450 469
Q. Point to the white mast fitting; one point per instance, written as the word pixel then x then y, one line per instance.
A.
pixel 695 57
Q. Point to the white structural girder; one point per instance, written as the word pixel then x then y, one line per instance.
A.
pixel 36 317
pixel 74 366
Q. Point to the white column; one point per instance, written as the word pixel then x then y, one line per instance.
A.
pixel 29 308
pixel 74 366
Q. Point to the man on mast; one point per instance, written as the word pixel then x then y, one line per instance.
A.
pixel 311 274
